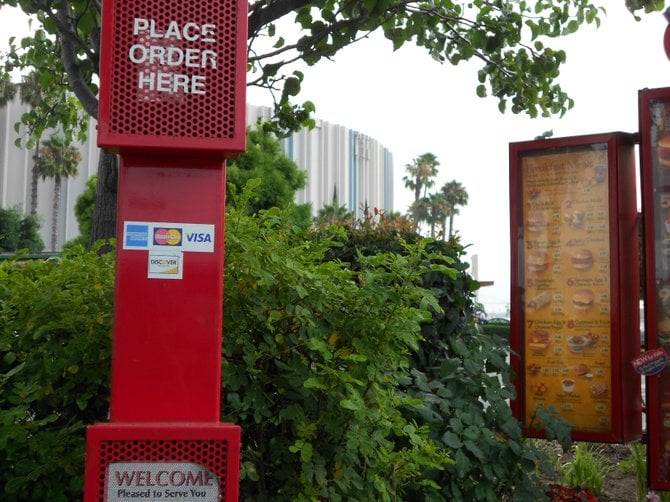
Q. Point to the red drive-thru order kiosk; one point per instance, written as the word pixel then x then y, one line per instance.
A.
pixel 654 113
pixel 575 285
pixel 172 104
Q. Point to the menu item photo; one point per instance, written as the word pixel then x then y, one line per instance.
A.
pixel 663 150
pixel 581 259
pixel 582 300
pixel 539 300
pixel 537 222
pixel 539 342
pixel 538 261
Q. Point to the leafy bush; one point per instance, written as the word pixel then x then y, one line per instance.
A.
pixel 462 379
pixel 83 211
pixel 314 352
pixel 351 362
pixel 19 231
pixel 265 160
pixel 55 324
pixel 499 329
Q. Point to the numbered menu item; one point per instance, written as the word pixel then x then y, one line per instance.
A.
pixel 567 286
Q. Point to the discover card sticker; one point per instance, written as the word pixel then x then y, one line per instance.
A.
pixel 165 265
pixel 194 237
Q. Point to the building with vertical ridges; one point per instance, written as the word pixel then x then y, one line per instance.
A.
pixel 358 167
pixel 335 158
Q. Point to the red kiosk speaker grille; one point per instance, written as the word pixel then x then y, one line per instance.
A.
pixel 173 77
pixel 151 461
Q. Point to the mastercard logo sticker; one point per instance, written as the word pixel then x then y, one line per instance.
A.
pixel 167 236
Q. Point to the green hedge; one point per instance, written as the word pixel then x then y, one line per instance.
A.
pixel 55 327
pixel 351 361
pixel 497 329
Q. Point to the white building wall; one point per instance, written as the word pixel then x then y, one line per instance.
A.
pixel 333 157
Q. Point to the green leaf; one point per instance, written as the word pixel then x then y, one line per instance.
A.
pixel 306 452
pixel 348 404
pixel 449 366
pixel 291 87
pixel 459 347
pixel 50 25
pixel 314 383
pixel 452 440
pixel 474 449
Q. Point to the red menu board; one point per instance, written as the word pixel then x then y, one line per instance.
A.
pixel 654 112
pixel 567 206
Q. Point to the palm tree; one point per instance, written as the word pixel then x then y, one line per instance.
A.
pixel 420 174
pixel 30 92
pixel 57 160
pixel 438 212
pixel 334 213
pixel 420 211
pixel 420 177
pixel 455 195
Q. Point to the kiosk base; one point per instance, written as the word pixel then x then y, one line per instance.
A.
pixel 150 461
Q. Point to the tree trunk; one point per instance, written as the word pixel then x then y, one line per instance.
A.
pixel 104 210
pixel 34 181
pixel 54 213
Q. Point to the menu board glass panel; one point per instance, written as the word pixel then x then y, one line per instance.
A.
pixel 655 152
pixel 565 273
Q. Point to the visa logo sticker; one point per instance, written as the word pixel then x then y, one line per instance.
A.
pixel 199 237
pixel 164 265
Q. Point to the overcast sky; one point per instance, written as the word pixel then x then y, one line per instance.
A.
pixel 412 105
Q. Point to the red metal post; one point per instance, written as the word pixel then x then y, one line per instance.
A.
pixel 172 104
pixel 166 362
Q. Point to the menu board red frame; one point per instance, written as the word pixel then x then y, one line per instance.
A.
pixel 654 113
pixel 575 285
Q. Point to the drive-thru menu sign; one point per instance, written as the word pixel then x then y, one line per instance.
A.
pixel 574 298
pixel 654 110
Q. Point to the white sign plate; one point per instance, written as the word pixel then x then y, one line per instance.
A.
pixel 185 481
pixel 164 236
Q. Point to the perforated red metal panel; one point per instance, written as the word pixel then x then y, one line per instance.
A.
pixel 216 447
pixel 173 76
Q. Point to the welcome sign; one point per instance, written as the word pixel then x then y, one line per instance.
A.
pixel 186 481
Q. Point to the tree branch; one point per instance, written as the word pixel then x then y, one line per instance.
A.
pixel 71 66
pixel 263 13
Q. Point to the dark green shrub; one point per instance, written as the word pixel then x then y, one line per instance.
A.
pixel 83 210
pixel 499 329
pixel 314 352
pixel 19 231
pixel 462 379
pixel 55 323
pixel 351 362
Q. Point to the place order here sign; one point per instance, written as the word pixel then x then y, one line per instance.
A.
pixel 152 48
